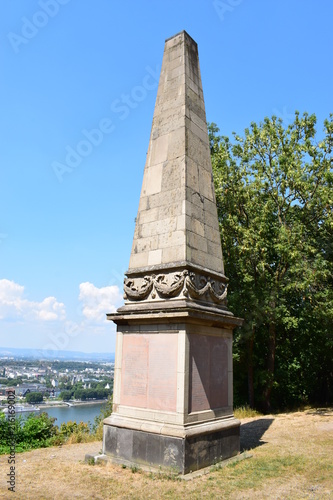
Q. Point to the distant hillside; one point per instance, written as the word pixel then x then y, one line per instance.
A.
pixel 58 354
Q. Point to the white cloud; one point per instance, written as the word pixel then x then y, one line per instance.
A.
pixel 96 302
pixel 46 324
pixel 13 305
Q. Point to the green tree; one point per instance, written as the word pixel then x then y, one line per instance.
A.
pixel 78 393
pixel 65 383
pixel 66 395
pixel 274 197
pixel 12 382
pixel 34 397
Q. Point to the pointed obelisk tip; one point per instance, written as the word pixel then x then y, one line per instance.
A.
pixel 182 34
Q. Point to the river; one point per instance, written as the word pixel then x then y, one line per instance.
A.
pixel 80 413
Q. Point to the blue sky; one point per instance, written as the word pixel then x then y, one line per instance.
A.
pixel 70 67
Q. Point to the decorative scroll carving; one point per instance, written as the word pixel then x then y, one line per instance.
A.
pixel 176 284
pixel 197 286
pixel 138 289
pixel 169 285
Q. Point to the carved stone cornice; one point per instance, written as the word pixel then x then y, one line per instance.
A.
pixel 176 284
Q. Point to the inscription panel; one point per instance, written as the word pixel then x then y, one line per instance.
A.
pixel 219 375
pixel 162 385
pixel 134 378
pixel 149 371
pixel 208 373
pixel 199 377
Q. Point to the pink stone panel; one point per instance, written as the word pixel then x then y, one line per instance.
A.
pixel 149 371
pixel 134 373
pixel 162 379
pixel 208 373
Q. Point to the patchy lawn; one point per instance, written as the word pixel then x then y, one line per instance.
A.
pixel 292 459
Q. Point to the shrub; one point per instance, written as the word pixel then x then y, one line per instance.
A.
pixel 245 412
pixel 36 431
pixel 73 432
pixel 39 431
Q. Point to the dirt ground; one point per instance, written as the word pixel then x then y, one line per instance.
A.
pixel 291 459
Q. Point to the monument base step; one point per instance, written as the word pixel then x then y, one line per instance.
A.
pixel 168 453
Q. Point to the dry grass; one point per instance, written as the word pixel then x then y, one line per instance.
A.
pixel 80 437
pixel 292 459
pixel 245 412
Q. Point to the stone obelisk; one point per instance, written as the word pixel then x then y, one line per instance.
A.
pixel 172 402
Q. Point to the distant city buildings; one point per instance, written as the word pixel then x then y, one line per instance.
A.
pixel 24 377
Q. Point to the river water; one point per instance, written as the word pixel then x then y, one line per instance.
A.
pixel 80 413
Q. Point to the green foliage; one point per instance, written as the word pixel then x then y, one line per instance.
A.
pixel 39 428
pixel 274 196
pixel 66 429
pixel 7 431
pixel 66 395
pixel 97 427
pixel 34 397
pixel 36 431
pixel 74 365
pixel 245 412
pixel 98 393
pixel 76 431
pixel 65 383
pixel 48 383
pixel 40 431
pixel 11 382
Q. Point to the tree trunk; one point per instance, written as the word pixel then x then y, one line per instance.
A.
pixel 270 367
pixel 250 370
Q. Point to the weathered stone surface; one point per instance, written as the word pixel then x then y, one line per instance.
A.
pixel 181 284
pixel 181 455
pixel 208 373
pixel 149 378
pixel 178 174
pixel 173 394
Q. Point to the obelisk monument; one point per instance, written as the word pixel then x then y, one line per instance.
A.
pixel 173 388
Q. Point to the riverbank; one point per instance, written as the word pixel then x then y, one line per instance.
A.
pixel 58 404
pixel 62 404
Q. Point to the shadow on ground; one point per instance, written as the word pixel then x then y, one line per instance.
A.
pixel 325 412
pixel 252 432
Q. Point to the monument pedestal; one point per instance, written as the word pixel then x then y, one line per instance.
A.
pixel 173 393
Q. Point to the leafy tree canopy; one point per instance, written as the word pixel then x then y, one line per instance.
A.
pixel 34 397
pixel 274 195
